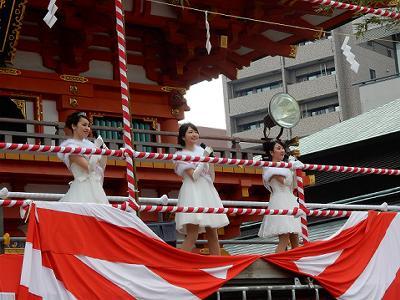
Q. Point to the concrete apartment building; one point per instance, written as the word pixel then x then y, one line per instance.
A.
pixel 320 79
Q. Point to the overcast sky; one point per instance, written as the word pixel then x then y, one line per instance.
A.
pixel 206 101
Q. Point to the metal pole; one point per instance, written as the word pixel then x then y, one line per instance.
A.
pixel 283 74
pixel 284 85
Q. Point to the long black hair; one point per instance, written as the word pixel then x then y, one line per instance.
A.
pixel 182 131
pixel 269 146
pixel 73 119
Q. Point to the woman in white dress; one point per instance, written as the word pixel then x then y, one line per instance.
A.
pixel 280 182
pixel 197 190
pixel 88 170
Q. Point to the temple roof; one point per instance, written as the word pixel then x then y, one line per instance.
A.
pixel 377 122
pixel 169 41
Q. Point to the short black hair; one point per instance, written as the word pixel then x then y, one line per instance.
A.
pixel 269 145
pixel 182 131
pixel 73 119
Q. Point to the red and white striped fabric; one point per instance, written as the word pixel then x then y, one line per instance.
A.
pixel 94 251
pixel 360 261
pixel 10 273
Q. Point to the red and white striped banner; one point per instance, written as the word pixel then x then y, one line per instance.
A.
pixel 360 261
pixel 98 252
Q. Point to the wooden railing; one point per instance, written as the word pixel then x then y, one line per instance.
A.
pixel 235 151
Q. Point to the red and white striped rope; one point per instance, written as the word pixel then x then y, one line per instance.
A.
pixel 175 157
pixel 357 8
pixel 126 115
pixel 207 210
pixel 302 206
pixel 12 203
pixel 59 149
pixel 346 169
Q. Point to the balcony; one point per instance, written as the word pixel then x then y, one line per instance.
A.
pixel 311 52
pixel 145 139
pixel 250 103
pixel 319 87
pixel 305 127
pixel 261 66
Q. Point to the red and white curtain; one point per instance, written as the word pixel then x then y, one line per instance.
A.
pixel 76 251
pixel 360 261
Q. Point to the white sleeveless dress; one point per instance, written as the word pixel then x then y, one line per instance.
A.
pixel 200 193
pixel 281 198
pixel 86 187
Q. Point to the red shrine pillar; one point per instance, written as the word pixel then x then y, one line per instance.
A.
pixel 169 125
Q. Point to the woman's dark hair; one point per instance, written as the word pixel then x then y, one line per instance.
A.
pixel 182 131
pixel 73 119
pixel 269 146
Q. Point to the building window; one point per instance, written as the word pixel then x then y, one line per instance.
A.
pixel 258 89
pixel 108 122
pixel 249 126
pixel 372 74
pixel 116 123
pixel 314 75
pixel 318 111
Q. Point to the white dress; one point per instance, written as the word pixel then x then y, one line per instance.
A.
pixel 200 193
pixel 86 187
pixel 281 198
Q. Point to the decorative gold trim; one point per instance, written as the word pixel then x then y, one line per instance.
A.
pixel 38 109
pixel 17 25
pixel 175 112
pixel 318 34
pixel 293 51
pixel 73 89
pixel 311 179
pixel 223 41
pixel 73 102
pixel 10 71
pixel 8 26
pixel 172 88
pixel 14 250
pixel 74 78
pixel 153 122
pixel 21 105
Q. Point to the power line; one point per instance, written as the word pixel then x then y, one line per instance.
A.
pixel 262 21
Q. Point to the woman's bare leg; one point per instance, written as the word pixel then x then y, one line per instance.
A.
pixel 213 243
pixel 283 243
pixel 192 232
pixel 294 240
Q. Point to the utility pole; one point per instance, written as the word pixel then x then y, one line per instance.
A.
pixel 284 85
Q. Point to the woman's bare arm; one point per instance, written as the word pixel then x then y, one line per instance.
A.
pixel 279 178
pixel 80 161
pixel 212 171
pixel 189 172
